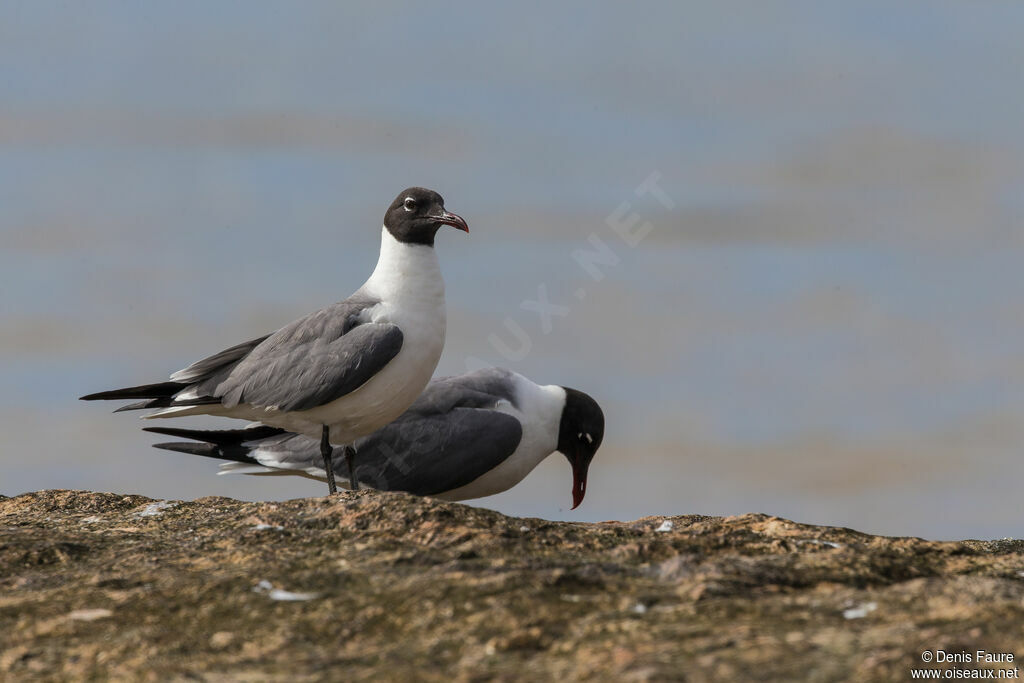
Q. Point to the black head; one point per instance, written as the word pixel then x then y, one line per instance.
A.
pixel 579 436
pixel 417 214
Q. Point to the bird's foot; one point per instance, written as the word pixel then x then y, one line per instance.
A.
pixel 327 452
pixel 350 458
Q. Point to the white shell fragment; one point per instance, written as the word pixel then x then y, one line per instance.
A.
pixel 155 509
pixel 266 587
pixel 860 611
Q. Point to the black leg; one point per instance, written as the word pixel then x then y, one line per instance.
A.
pixel 350 458
pixel 327 452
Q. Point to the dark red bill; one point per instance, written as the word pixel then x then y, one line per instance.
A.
pixel 579 481
pixel 454 220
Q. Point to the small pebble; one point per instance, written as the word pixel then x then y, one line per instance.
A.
pixel 221 639
pixel 90 614
pixel 265 586
pixel 288 596
pixel 155 509
pixel 860 611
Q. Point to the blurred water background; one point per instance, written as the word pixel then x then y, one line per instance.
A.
pixel 825 325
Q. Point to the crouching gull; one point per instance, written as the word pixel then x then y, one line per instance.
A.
pixel 468 436
pixel 344 371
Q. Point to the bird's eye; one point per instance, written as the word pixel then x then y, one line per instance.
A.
pixel 585 437
pixel 410 204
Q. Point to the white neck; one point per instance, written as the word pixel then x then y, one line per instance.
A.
pixel 544 407
pixel 405 271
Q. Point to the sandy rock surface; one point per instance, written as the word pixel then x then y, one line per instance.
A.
pixel 383 586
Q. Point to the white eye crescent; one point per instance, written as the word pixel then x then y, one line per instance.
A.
pixel 410 204
pixel 588 437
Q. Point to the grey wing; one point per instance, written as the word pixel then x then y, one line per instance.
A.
pixel 431 454
pixel 479 389
pixel 207 366
pixel 311 362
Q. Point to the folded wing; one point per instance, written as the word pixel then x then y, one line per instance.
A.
pixel 310 362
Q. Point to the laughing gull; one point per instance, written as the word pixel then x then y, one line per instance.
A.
pixel 468 436
pixel 344 371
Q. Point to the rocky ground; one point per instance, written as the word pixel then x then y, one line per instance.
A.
pixel 387 586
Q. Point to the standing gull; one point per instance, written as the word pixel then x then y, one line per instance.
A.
pixel 468 436
pixel 344 371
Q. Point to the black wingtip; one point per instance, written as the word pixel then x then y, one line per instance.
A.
pixel 224 437
pixel 234 453
pixel 205 450
pixel 100 396
pixel 158 390
pixel 222 444
pixel 209 450
pixel 142 405
pixel 197 434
